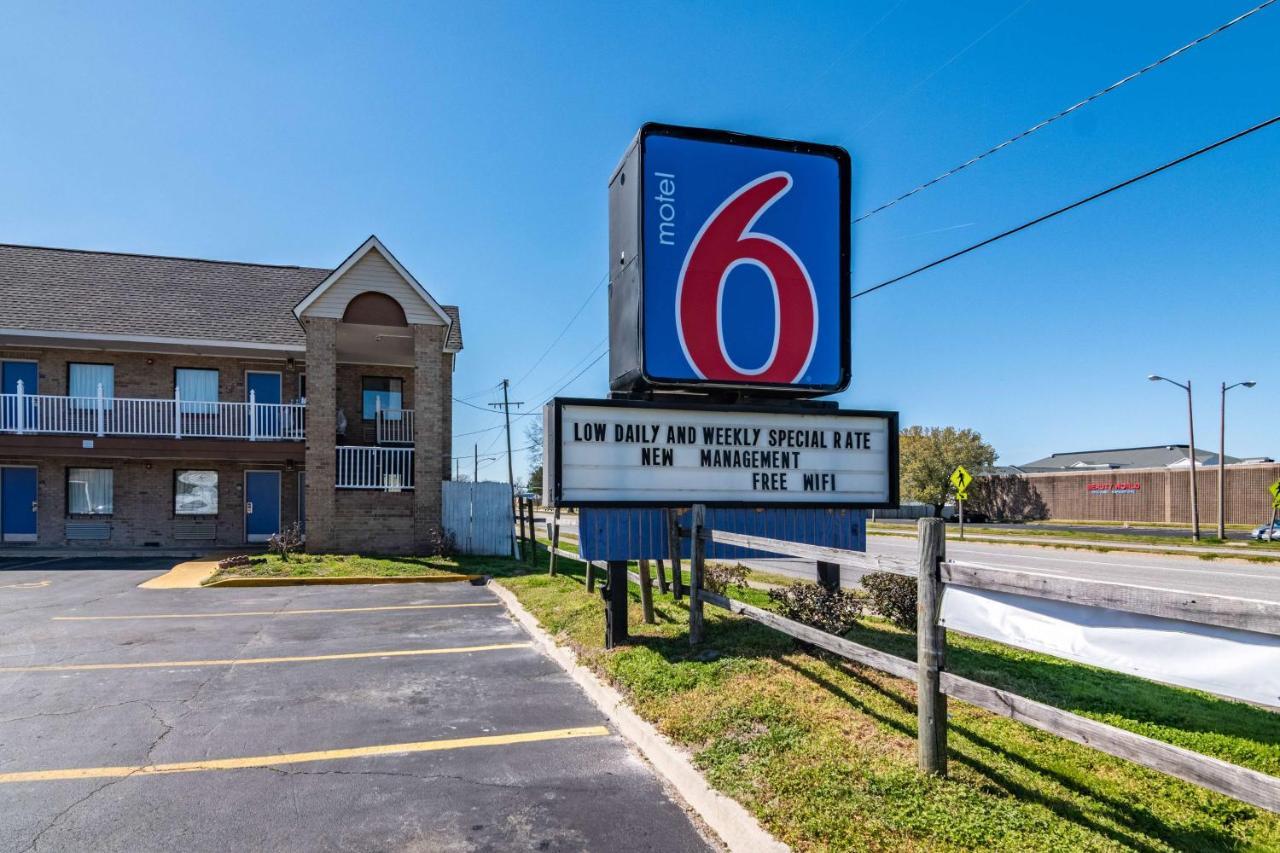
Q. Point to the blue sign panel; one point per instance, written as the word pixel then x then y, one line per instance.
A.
pixel 641 534
pixel 745 279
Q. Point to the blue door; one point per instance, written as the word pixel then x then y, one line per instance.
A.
pixel 261 505
pixel 10 373
pixel 265 388
pixel 18 504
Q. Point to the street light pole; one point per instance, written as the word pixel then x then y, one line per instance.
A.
pixel 1191 432
pixel 1222 452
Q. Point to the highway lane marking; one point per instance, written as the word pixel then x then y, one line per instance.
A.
pixel 184 664
pixel 27 585
pixel 1217 572
pixel 276 612
pixel 259 761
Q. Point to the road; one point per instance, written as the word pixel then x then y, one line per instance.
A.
pixel 391 717
pixel 1223 576
pixel 1207 528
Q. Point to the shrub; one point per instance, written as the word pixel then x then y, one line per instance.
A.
pixel 441 543
pixel 236 562
pixel 718 577
pixel 834 612
pixel 286 541
pixel 893 597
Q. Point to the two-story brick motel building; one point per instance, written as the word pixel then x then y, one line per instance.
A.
pixel 177 403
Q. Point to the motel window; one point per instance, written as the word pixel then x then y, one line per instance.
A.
pixel 90 491
pixel 383 392
pixel 83 381
pixel 195 493
pixel 198 390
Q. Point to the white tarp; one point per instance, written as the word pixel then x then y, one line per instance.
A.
pixel 1226 661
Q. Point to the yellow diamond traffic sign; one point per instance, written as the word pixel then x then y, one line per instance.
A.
pixel 960 478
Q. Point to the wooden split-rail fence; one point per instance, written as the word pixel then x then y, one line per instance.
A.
pixel 933 572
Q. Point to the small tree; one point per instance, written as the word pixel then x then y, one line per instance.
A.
pixel 928 455
pixel 286 541
pixel 1008 497
pixel 533 434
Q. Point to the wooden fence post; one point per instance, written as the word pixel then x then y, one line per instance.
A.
pixel 698 550
pixel 646 593
pixel 555 542
pixel 828 576
pixel 519 508
pixel 673 548
pixel 663 586
pixel 931 649
pixel 615 613
pixel 533 534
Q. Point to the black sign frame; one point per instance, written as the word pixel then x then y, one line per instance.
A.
pixel 755 501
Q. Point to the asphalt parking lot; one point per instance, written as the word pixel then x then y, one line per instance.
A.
pixel 411 717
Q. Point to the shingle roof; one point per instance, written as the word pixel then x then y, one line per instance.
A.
pixel 110 293
pixel 1156 456
pixel 454 341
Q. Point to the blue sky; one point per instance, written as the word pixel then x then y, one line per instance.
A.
pixel 476 140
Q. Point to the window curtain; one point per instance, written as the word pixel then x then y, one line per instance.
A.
pixel 83 381
pixel 198 390
pixel 196 493
pixel 89 491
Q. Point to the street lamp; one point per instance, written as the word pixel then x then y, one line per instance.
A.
pixel 1222 451
pixel 1191 430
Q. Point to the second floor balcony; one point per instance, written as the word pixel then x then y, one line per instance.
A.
pixel 100 415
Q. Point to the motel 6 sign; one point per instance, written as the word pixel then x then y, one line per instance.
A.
pixel 729 264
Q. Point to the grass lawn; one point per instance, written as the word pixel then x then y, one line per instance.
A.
pixel 347 565
pixel 823 751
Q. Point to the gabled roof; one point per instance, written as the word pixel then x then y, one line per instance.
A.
pixel 371 245
pixel 116 296
pixel 111 293
pixel 1154 456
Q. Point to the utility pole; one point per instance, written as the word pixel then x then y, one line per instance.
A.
pixel 1222 452
pixel 475 463
pixel 511 477
pixel 1191 430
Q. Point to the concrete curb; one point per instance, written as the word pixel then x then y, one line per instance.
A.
pixel 355 579
pixel 736 827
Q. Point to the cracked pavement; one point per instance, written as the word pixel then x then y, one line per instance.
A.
pixel 587 793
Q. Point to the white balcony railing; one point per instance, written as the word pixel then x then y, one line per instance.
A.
pixel 24 413
pixel 395 426
pixel 388 469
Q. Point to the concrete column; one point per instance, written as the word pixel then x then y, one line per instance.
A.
pixel 430 396
pixel 322 406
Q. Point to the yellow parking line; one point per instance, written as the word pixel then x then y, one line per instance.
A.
pixel 180 664
pixel 275 612
pixel 299 757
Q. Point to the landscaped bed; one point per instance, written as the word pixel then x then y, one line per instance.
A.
pixel 339 566
pixel 824 752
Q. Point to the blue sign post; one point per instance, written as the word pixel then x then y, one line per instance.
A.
pixel 730 264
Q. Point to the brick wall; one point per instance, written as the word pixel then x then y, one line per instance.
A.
pixel 143 502
pixel 151 375
pixel 321 425
pixel 430 442
pixel 350 393
pixel 374 522
pixel 1158 494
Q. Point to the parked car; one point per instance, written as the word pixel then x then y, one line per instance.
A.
pixel 1260 532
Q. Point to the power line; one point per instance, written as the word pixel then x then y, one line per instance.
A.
pixel 1066 112
pixel 1061 210
pixel 476 431
pixel 575 316
pixel 474 406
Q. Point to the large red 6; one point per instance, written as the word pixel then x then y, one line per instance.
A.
pixel 724 242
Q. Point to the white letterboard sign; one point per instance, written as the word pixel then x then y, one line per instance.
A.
pixel 641 453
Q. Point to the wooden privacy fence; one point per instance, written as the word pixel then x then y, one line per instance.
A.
pixel 934 684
